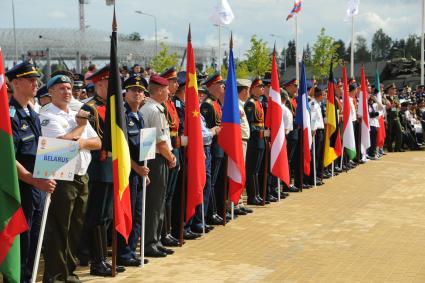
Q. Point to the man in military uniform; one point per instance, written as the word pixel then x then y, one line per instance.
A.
pixel 291 87
pixel 154 117
pixel 394 129
pixel 66 212
pixel 26 132
pixel 134 95
pixel 173 121
pixel 256 143
pixel 211 111
pixel 99 206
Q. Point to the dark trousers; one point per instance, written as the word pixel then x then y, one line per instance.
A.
pixel 254 157
pixel 216 163
pixel 176 203
pixel 32 201
pixel 394 134
pixel 63 229
pixel 128 251
pixel 319 139
pixel 171 187
pixel 197 218
pixel 155 201
pixel 294 159
pixel 373 134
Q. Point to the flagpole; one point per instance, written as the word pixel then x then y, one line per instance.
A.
pixel 422 42
pixel 183 197
pixel 266 171
pixel 142 234
pixel 226 184
pixel 40 238
pixel 352 48
pixel 314 161
pixel 297 67
pixel 203 215
pixel 333 165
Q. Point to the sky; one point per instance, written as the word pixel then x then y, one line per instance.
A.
pixel 398 18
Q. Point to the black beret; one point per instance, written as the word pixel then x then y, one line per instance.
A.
pixel 135 81
pixel 23 70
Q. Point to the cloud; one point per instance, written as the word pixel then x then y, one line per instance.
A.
pixel 57 15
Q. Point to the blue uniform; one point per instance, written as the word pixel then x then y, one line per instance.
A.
pixel 26 131
pixel 135 123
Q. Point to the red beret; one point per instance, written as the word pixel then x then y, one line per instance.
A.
pixel 154 79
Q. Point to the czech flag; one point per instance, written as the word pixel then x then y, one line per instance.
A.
pixel 230 136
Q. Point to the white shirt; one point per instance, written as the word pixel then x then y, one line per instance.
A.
pixel 75 104
pixel 244 121
pixel 154 117
pixel 288 119
pixel 373 122
pixel 316 115
pixel 56 123
pixel 352 109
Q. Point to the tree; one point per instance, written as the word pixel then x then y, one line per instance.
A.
pixel 324 50
pixel 413 44
pixel 134 36
pixel 381 44
pixel 361 53
pixel 340 48
pixel 164 60
pixel 307 54
pixel 290 53
pixel 258 57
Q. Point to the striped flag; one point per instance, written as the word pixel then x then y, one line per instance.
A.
pixel 333 138
pixel 302 118
pixel 195 147
pixel 12 218
pixel 380 138
pixel 295 10
pixel 230 136
pixel 121 163
pixel 278 156
pixel 348 140
pixel 363 112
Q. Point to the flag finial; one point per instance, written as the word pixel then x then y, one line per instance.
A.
pixel 189 35
pixel 114 22
pixel 231 40
pixel 274 48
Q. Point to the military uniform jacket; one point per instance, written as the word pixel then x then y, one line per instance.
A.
pixel 180 108
pixel 134 121
pixel 293 134
pixel 26 131
pixel 392 113
pixel 255 115
pixel 173 122
pixel 265 103
pixel 100 168
pixel 211 110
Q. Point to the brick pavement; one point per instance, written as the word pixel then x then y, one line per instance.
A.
pixel 367 225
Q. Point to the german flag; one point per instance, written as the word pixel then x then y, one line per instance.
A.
pixel 116 131
pixel 333 137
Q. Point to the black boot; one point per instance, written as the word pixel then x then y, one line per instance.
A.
pixel 98 266
pixel 104 234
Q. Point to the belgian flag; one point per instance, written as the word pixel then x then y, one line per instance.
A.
pixel 333 147
pixel 116 142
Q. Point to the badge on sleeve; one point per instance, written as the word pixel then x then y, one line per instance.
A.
pixel 12 111
pixel 45 122
pixel 178 104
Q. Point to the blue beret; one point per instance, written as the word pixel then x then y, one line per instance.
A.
pixel 58 79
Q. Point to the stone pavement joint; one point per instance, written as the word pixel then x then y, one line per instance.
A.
pixel 367 225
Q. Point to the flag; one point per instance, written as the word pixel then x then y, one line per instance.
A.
pixel 230 136
pixel 295 10
pixel 352 8
pixel 117 133
pixel 223 14
pixel 278 155
pixel 380 138
pixel 302 118
pixel 12 218
pixel 333 137
pixel 348 141
pixel 192 129
pixel 363 112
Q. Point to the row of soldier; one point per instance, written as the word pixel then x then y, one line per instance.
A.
pixel 80 216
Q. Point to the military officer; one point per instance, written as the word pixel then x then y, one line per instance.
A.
pixel 154 117
pixel 173 121
pixel 99 206
pixel 68 202
pixel 134 95
pixel 26 131
pixel 211 111
pixel 394 129
pixel 256 143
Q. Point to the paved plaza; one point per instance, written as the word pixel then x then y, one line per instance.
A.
pixel 367 225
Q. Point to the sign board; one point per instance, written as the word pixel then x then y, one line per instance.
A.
pixel 147 144
pixel 56 159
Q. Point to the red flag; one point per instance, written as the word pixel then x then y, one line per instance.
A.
pixel 192 129
pixel 278 155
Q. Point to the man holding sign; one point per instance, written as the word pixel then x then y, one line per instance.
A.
pixel 66 213
pixel 26 131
